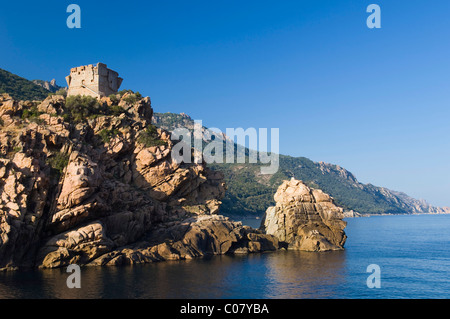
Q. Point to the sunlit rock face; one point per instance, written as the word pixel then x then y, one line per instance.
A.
pixel 305 218
pixel 105 190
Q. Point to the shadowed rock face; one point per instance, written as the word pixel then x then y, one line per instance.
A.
pixel 305 218
pixel 93 193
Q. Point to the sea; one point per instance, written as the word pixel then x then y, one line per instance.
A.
pixel 408 256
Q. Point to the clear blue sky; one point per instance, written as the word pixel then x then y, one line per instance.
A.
pixel 376 102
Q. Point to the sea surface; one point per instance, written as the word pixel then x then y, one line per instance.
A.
pixel 413 253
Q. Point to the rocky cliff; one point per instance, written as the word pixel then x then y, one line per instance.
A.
pixel 94 183
pixel 50 86
pixel 305 218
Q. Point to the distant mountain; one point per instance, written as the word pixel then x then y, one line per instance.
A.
pixel 48 85
pixel 250 193
pixel 20 88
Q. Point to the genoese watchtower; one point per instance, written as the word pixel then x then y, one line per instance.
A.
pixel 93 80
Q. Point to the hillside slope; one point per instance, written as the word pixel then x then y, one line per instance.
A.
pixel 20 88
pixel 250 193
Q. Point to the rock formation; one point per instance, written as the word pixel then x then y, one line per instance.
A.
pixel 99 187
pixel 49 86
pixel 305 218
pixel 105 191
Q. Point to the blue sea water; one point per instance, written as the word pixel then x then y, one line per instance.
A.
pixel 412 252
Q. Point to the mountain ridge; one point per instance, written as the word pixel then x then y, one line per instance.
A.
pixel 250 193
pixel 50 86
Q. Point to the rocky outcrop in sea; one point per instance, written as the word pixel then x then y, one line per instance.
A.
pixel 305 218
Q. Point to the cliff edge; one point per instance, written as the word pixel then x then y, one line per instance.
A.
pixel 92 182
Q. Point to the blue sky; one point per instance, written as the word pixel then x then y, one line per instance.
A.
pixel 373 101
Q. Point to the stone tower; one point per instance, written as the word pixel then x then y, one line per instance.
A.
pixel 93 80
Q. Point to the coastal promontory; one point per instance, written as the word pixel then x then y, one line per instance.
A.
pixel 92 182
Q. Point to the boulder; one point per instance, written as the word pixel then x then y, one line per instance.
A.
pixel 197 236
pixel 52 105
pixel 305 218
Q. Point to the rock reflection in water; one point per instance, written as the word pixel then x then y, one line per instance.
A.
pixel 297 274
pixel 282 274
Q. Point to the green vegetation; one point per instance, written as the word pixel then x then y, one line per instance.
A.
pixel 249 192
pixel 20 88
pixel 77 109
pixel 150 137
pixel 246 193
pixel 132 98
pixel 16 149
pixel 170 121
pixel 137 94
pixel 116 110
pixel 106 135
pixel 114 99
pixel 62 92
pixel 81 108
pixel 31 114
pixel 12 151
pixel 58 163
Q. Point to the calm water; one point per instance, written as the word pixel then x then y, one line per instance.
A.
pixel 412 251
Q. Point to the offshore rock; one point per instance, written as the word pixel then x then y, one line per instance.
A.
pixel 305 218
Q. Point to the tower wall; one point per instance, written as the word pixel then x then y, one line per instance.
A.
pixel 93 80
